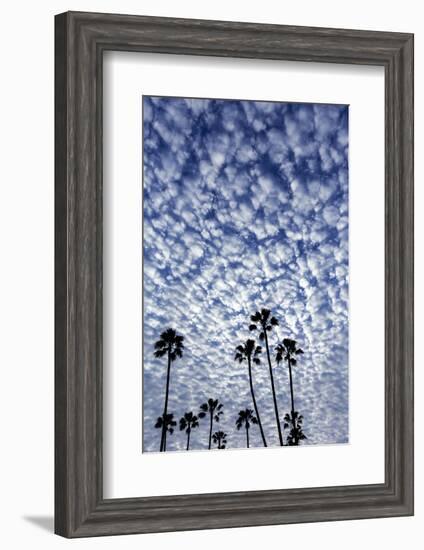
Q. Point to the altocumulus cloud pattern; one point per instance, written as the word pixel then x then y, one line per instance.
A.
pixel 245 207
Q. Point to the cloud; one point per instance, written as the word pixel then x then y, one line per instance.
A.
pixel 246 206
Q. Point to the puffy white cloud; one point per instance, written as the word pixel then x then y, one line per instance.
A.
pixel 331 215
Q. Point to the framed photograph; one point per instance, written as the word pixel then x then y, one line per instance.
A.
pixel 234 274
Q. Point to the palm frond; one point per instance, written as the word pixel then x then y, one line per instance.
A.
pixel 249 346
pixel 168 335
pixel 160 344
pixel 256 317
pixel 265 313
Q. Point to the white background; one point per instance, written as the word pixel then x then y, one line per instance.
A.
pixel 128 472
pixel 26 290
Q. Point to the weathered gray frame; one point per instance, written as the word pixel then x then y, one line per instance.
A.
pixel 81 39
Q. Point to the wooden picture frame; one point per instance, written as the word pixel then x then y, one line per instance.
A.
pixel 81 39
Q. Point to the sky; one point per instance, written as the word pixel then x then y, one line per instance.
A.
pixel 245 206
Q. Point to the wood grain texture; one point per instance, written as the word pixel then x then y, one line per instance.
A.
pixel 81 39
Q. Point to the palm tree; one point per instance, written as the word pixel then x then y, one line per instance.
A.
pixel 220 438
pixel 187 423
pixel 287 352
pixel 171 345
pixel 166 423
pixel 250 352
pixel 214 407
pixel 246 417
pixel 296 432
pixel 263 321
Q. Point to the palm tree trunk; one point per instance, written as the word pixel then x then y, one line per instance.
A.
pixel 163 439
pixel 291 394
pixel 254 402
pixel 280 436
pixel 296 441
pixel 247 435
pixel 165 409
pixel 210 430
pixel 188 439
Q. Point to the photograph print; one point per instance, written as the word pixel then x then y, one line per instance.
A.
pixel 245 274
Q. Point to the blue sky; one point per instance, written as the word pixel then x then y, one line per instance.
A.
pixel 245 206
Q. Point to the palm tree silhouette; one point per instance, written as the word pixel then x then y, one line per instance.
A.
pixel 287 352
pixel 263 321
pixel 246 417
pixel 250 352
pixel 220 438
pixel 214 407
pixel 296 432
pixel 166 423
pixel 170 344
pixel 187 423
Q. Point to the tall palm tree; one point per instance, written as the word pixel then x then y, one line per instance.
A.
pixel 166 423
pixel 220 439
pixel 246 417
pixel 171 345
pixel 264 322
pixel 250 352
pixel 214 408
pixel 187 423
pixel 287 352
